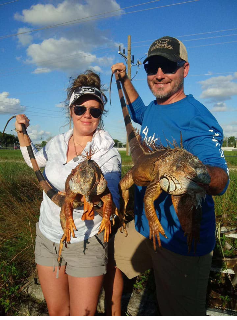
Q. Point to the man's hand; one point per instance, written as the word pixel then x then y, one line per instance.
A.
pixel 129 90
pixel 219 179
pixel 120 68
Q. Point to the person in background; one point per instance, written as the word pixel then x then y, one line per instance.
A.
pixel 181 277
pixel 76 289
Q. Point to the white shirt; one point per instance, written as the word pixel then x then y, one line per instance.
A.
pixel 54 158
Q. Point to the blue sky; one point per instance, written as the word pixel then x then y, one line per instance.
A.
pixel 44 43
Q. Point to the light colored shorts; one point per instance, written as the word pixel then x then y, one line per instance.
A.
pixel 181 281
pixel 83 259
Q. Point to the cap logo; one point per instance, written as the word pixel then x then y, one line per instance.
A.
pixel 80 91
pixel 162 44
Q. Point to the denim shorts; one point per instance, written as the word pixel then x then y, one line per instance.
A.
pixel 84 259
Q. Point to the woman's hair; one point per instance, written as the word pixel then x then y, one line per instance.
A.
pixel 87 79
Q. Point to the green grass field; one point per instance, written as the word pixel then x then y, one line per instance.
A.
pixel 231 156
pixel 20 197
pixel 6 154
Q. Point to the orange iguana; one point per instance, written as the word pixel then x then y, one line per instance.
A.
pixel 87 181
pixel 175 171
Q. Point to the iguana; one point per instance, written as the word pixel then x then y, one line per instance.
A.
pixel 85 180
pixel 173 170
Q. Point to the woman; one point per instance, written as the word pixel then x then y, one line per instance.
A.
pixel 76 289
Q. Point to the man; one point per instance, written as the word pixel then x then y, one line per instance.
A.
pixel 181 276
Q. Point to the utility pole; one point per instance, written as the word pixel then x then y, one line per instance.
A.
pixel 129 59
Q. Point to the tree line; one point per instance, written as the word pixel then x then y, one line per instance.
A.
pixel 229 142
pixel 8 140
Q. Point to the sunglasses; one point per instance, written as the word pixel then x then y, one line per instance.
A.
pixel 94 112
pixel 167 67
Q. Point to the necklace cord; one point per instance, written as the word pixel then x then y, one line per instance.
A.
pixel 75 149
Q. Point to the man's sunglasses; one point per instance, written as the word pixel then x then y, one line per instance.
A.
pixel 94 112
pixel 167 67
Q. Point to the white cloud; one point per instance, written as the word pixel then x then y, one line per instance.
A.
pixel 66 11
pixel 63 54
pixel 61 105
pixel 10 105
pixel 220 107
pixel 219 89
pixel 37 135
pixel 230 129
pixel 80 47
pixel 96 69
pixel 24 39
pixel 41 70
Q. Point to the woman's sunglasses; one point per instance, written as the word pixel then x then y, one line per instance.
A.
pixel 167 67
pixel 94 112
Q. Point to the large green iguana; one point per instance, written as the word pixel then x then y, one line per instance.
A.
pixel 175 171
pixel 87 181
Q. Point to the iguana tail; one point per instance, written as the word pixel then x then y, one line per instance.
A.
pixel 52 193
pixel 133 138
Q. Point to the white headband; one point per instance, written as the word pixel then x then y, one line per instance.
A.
pixel 80 91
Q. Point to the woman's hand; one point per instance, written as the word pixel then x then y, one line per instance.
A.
pixel 21 118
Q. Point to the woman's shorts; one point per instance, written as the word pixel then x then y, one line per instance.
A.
pixel 84 259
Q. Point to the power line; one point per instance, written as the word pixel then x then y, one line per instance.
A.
pixel 32 109
pixel 212 44
pixel 205 45
pixel 226 35
pixel 76 21
pixel 36 92
pixel 15 111
pixel 3 4
pixel 192 34
pixel 87 55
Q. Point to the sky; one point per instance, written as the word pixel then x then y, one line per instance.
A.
pixel 44 44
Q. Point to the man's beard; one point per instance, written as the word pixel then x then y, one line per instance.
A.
pixel 166 95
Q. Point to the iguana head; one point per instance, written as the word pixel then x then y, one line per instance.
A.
pixel 181 172
pixel 84 178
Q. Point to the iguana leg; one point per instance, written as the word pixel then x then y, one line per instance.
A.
pixel 189 212
pixel 122 222
pixel 107 211
pixel 67 223
pixel 88 211
pixel 125 184
pixel 153 191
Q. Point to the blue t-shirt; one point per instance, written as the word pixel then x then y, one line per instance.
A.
pixel 202 136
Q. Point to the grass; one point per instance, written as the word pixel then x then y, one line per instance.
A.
pixel 126 160
pixel 6 154
pixel 225 205
pixel 231 158
pixel 20 198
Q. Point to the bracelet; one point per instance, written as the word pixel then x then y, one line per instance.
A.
pixel 18 131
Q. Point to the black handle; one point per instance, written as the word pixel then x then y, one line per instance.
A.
pixel 23 128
